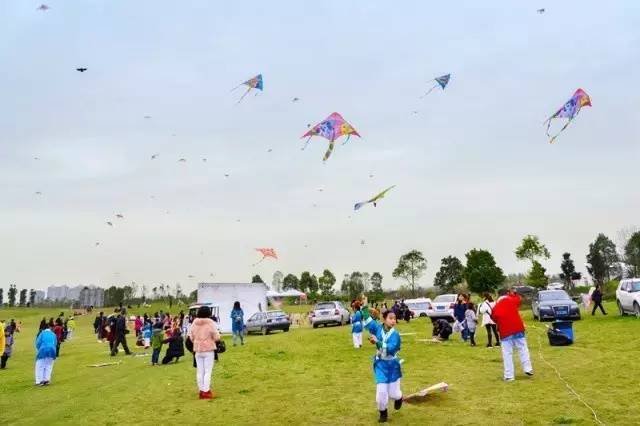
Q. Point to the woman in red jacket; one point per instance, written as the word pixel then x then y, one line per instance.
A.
pixel 511 328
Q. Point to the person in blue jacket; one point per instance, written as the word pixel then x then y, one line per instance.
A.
pixel 459 310
pixel 386 364
pixel 237 323
pixel 46 344
pixel 356 325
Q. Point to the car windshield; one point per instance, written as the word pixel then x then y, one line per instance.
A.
pixel 418 306
pixel 445 298
pixel 275 314
pixel 321 306
pixel 554 295
pixel 635 286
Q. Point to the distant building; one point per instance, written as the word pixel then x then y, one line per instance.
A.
pixel 91 296
pixel 58 292
pixel 39 297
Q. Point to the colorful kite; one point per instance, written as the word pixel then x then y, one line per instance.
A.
pixel 374 200
pixel 421 394
pixel 441 81
pixel 252 83
pixel 569 111
pixel 331 128
pixel 43 7
pixel 266 252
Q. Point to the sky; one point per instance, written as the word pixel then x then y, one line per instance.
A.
pixel 472 168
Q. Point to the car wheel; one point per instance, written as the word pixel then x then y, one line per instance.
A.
pixel 622 312
pixel 315 325
pixel 636 309
pixel 286 329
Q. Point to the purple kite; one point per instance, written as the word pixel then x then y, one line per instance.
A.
pixel 569 111
pixel 331 129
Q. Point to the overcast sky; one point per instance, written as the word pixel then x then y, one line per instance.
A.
pixel 473 167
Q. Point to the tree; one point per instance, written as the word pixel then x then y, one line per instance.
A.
pixel 276 281
pixel 308 283
pixel 11 294
pixel 601 258
pixel 127 293
pixel 353 285
pixel 411 267
pixel 32 297
pixel 376 292
pixel 537 277
pixel 154 292
pixel 531 248
pixel 451 273
pixel 1 296
pixel 193 296
pixel 256 279
pixel 632 253
pixel 569 273
pixel 290 281
pixel 23 297
pixel 179 291
pixel 326 283
pixel 482 273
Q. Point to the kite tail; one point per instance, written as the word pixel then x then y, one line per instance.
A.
pixel 430 90
pixel 346 140
pixel 306 143
pixel 259 261
pixel 553 138
pixel 329 151
pixel 245 94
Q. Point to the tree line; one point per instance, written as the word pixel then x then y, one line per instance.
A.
pixel 12 293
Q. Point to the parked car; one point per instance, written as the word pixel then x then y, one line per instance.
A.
pixel 554 304
pixel 442 307
pixel 329 313
pixel 266 322
pixel 418 307
pixel 555 286
pixel 628 297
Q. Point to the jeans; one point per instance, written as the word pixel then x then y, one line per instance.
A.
pixel 520 344
pixel 492 327
pixel 598 305
pixel 120 339
pixel 472 335
pixel 384 391
pixel 155 355
pixel 204 368
pixel 238 335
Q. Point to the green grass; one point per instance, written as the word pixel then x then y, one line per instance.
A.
pixel 309 376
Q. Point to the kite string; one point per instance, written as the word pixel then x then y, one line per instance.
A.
pixel 562 379
pixel 245 94
pixel 430 90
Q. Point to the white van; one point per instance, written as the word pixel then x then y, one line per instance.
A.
pixel 419 306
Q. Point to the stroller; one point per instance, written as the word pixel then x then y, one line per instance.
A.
pixel 560 333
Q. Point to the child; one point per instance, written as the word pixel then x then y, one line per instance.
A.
pixel 356 325
pixel 237 323
pixel 58 330
pixel 137 325
pixel 156 342
pixel 146 335
pixel 459 310
pixel 71 326
pixel 8 342
pixel 511 329
pixel 46 344
pixel 386 365
pixel 176 347
pixel 472 320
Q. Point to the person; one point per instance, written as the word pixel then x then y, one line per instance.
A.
pixel 596 297
pixel 485 309
pixel 386 365
pixel 356 325
pixel 176 347
pixel 43 325
pixel 156 342
pixel 120 334
pixel 204 335
pixel 441 330
pixel 98 326
pixel 6 347
pixel 511 328
pixel 2 334
pixel 58 330
pixel 471 320
pixel 459 310
pixel 146 335
pixel 137 325
pixel 46 344
pixel 71 326
pixel 237 323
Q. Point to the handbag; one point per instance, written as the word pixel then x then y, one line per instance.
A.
pixel 221 347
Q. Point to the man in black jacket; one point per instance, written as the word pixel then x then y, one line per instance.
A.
pixel 120 335
pixel 596 298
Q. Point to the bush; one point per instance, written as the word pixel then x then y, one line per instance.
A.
pixel 609 292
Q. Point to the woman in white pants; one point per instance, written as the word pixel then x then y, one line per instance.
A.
pixel 204 335
pixel 46 344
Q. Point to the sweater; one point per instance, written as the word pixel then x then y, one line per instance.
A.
pixel 46 344
pixel 507 317
pixel 204 335
pixel 157 338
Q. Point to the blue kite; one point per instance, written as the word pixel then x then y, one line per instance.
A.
pixel 441 81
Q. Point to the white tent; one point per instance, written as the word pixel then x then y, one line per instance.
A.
pixel 287 293
pixel 252 298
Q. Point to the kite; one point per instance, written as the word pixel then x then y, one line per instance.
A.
pixel 204 160
pixel 418 396
pixel 38 193
pixel 569 110
pixel 36 158
pixel 109 223
pixel 331 128
pixel 104 364
pixel 81 69
pixel 147 117
pixel 441 81
pixel 154 156
pixel 120 216
pixel 252 83
pixel 295 99
pixel 226 175
pixel 373 200
pixel 540 11
pixel 97 243
pixel 182 160
pixel 266 252
pixel 43 7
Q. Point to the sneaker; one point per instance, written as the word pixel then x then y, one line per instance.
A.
pixel 397 404
pixel 529 373
pixel 207 395
pixel 509 379
pixel 201 395
pixel 383 416
pixel 45 383
pixel 489 346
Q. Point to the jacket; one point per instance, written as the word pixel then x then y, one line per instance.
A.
pixel 71 325
pixel 237 320
pixel 507 317
pixel 8 345
pixel 58 331
pixel 121 326
pixel 156 338
pixel 2 338
pixel 471 319
pixel 596 296
pixel 204 335
pixel 176 346
pixel 46 344
pixel 485 310
pixel 458 311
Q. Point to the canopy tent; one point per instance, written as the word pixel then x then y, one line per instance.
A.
pixel 286 293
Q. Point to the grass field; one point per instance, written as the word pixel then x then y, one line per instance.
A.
pixel 315 377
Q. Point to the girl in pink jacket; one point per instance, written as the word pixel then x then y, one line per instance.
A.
pixel 204 335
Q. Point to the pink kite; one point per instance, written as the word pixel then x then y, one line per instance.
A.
pixel 266 252
pixel 331 128
pixel 569 111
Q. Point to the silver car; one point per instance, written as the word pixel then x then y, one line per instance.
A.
pixel 442 307
pixel 329 313
pixel 266 322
